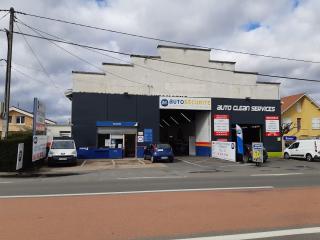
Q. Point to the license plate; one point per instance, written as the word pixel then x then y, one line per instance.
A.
pixel 160 150
pixel 63 158
pixel 164 157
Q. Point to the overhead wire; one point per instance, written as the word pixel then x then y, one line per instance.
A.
pixel 37 58
pixel 155 59
pixel 139 65
pixel 82 59
pixel 168 41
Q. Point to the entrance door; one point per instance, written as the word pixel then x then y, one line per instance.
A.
pixel 130 145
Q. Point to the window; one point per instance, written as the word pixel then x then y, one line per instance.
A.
pixel 298 107
pixel 298 124
pixel 20 120
pixel 294 146
pixel 10 119
pixel 315 123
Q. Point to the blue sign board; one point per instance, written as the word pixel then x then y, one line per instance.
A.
pixel 289 138
pixel 148 136
pixel 116 124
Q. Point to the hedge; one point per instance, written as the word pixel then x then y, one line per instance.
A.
pixel 9 148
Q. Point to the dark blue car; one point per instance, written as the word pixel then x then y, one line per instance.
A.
pixel 158 152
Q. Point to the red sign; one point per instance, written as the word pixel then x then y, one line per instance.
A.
pixel 221 125
pixel 272 126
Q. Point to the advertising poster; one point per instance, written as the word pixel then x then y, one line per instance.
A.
pixel 39 147
pixel 38 116
pixel 257 152
pixel 221 125
pixel 272 126
pixel 20 156
pixel 224 150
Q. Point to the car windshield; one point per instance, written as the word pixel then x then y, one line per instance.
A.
pixel 65 144
pixel 163 146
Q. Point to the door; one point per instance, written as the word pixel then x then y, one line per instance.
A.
pixel 129 145
pixel 294 149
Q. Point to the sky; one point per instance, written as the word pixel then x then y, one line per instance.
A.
pixel 287 28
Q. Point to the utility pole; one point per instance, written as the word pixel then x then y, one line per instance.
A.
pixel 5 123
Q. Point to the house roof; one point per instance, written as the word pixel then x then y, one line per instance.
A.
pixel 29 114
pixel 289 101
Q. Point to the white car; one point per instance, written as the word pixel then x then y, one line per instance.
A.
pixel 303 149
pixel 62 150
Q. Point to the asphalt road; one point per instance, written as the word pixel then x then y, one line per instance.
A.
pixel 193 197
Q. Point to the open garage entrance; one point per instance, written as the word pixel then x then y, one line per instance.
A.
pixel 184 129
pixel 251 133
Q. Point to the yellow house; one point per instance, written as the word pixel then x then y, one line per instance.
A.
pixel 21 120
pixel 301 114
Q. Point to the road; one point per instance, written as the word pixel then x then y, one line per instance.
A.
pixel 193 199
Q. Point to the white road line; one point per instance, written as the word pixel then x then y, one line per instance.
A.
pixel 4 182
pixel 193 163
pixel 138 192
pixel 83 163
pixel 246 236
pixel 162 177
pixel 274 174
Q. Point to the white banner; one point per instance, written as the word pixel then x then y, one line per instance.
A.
pixel 39 147
pixel 20 156
pixel 224 150
pixel 185 103
pixel 221 125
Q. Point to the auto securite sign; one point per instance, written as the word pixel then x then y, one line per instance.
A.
pixel 185 103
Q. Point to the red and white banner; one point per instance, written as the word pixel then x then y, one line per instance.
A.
pixel 272 126
pixel 221 125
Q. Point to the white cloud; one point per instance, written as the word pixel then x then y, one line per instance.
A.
pixel 284 30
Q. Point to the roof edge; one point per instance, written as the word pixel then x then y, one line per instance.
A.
pixel 144 56
pixel 244 72
pixel 302 95
pixel 218 61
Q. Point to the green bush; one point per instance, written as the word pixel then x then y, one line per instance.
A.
pixel 9 148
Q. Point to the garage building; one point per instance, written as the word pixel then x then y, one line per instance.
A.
pixel 180 97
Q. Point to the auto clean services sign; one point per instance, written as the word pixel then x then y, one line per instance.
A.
pixel 185 103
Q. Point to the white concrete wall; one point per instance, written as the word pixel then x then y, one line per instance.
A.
pixel 54 130
pixel 203 126
pixel 152 77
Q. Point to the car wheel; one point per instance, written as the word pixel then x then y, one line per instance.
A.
pixel 286 156
pixel 144 157
pixel 171 160
pixel 309 157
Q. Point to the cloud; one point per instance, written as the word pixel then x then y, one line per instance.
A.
pixel 287 28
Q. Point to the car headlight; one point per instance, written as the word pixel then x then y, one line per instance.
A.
pixel 74 153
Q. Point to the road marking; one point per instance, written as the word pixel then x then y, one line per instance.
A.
pixel 193 163
pixel 83 163
pixel 274 174
pixel 4 182
pixel 162 177
pixel 142 162
pixel 138 192
pixel 246 236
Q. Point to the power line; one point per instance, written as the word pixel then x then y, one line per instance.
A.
pixel 4 15
pixel 155 59
pixel 82 59
pixel 37 58
pixel 168 41
pixel 142 66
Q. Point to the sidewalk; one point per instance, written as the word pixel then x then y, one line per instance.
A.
pixel 83 167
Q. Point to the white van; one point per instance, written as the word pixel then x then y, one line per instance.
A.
pixel 62 150
pixel 305 149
